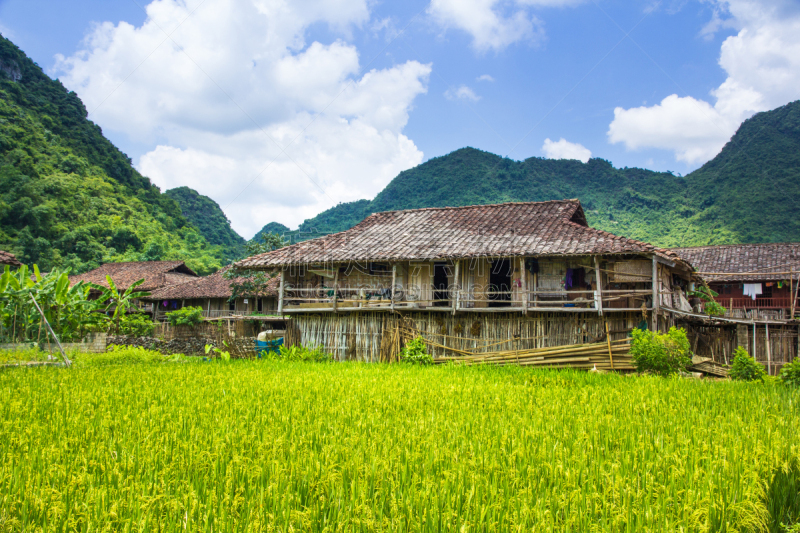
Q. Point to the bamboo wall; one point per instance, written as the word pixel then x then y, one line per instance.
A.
pixel 719 343
pixel 376 337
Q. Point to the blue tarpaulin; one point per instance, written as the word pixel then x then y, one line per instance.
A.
pixel 265 347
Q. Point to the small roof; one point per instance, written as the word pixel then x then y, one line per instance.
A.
pixel 744 262
pixel 213 286
pixel 7 258
pixel 500 230
pixel 156 274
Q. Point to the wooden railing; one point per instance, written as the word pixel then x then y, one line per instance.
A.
pixel 758 303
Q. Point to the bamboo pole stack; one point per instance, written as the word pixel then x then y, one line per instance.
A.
pixel 601 355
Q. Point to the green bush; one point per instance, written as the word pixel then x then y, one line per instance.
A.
pixel 137 325
pixel 415 352
pixel 119 355
pixel 301 353
pixel 745 368
pixel 790 373
pixel 187 316
pixel 660 353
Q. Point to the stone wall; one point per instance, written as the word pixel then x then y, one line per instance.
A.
pixel 241 347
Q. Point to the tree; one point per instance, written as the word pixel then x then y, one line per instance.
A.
pixel 254 282
pixel 121 301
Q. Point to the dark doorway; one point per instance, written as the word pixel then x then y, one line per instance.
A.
pixel 500 283
pixel 440 296
pixel 232 305
pixel 259 304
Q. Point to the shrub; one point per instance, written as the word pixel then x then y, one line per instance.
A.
pixel 187 316
pixel 745 368
pixel 137 325
pixel 301 353
pixel 790 373
pixel 660 353
pixel 119 355
pixel 416 352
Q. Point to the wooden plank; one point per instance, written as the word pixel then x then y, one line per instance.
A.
pixel 769 350
pixel 524 279
pixel 610 352
pixel 457 283
pixel 280 292
pixel 335 289
pixel 394 282
pixel 656 295
pixel 598 277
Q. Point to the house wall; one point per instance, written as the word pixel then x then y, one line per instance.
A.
pixel 374 337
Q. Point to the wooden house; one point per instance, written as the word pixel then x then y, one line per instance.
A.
pixel 156 274
pixel 7 258
pixel 753 280
pixel 213 293
pixel 523 275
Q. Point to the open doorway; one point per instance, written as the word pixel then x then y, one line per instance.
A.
pixel 440 296
pixel 500 283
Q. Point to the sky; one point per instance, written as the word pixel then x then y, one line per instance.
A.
pixel 279 109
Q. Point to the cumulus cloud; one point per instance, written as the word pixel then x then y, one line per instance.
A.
pixel 236 104
pixel 494 24
pixel 563 149
pixel 462 93
pixel 762 62
pixel 484 77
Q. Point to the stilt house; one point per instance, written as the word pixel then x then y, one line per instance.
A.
pixel 213 294
pixel 517 275
pixel 757 281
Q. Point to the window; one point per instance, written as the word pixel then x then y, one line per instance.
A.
pixel 766 291
pixel 232 306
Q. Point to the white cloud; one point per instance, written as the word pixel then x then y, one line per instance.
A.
pixel 563 149
pixel 239 84
pixel 461 93
pixel 762 62
pixel 494 24
pixel 485 77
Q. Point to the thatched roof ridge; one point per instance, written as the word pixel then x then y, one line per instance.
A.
pixel 556 227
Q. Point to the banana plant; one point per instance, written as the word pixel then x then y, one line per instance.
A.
pixel 121 301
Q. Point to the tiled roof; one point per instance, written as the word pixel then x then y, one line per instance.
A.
pixel 7 258
pixel 500 230
pixel 744 262
pixel 213 286
pixel 155 273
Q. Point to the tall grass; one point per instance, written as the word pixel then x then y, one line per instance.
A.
pixel 272 446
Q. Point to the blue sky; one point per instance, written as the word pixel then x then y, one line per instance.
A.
pixel 278 111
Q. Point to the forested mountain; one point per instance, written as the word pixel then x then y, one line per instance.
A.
pixel 206 215
pixel 68 197
pixel 748 193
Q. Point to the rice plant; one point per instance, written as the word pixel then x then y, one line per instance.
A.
pixel 277 446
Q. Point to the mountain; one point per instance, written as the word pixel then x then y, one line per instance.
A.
pixel 272 227
pixel 747 193
pixel 206 215
pixel 68 196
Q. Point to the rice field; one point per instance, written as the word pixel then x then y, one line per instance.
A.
pixel 265 446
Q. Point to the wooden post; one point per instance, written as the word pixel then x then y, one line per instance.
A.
pixel 457 280
pixel 608 340
pixel 656 295
pixel 280 292
pixel 335 289
pixel 754 339
pixel 536 288
pixel 394 281
pixel 598 277
pixel 794 299
pixel 67 362
pixel 769 350
pixel 524 275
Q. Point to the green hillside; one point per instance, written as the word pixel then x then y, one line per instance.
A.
pixel 748 193
pixel 68 197
pixel 206 215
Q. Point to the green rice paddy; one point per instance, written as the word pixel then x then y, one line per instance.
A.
pixel 263 446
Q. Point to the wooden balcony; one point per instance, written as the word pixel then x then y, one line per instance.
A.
pixel 758 303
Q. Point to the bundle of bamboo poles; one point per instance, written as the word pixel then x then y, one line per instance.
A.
pixel 613 355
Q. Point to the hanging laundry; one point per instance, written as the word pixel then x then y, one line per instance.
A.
pixel 751 289
pixel 568 279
